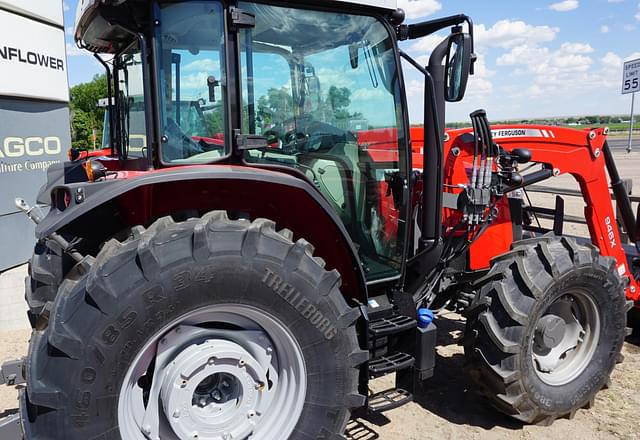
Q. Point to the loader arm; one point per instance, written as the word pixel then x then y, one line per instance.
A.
pixel 582 155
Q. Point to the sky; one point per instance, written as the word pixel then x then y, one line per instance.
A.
pixel 535 58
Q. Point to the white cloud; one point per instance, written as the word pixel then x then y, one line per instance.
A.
pixel 615 1
pixel 629 27
pixel 604 29
pixel 523 55
pixel 65 6
pixel 202 65
pixel 369 94
pixel 576 48
pixel 480 68
pixel 427 44
pixel 563 6
pixel 611 68
pixel 69 30
pixel 511 33
pixel 415 88
pixel 542 61
pixel 479 86
pixel 419 8
pixel 74 51
pixel 611 61
pixel 566 70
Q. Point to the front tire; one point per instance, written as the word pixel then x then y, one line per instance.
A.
pixel 546 329
pixel 214 304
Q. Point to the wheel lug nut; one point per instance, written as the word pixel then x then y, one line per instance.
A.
pixel 251 414
pixel 176 414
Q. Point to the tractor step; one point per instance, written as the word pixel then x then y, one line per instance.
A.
pixel 392 325
pixel 388 400
pixel 390 363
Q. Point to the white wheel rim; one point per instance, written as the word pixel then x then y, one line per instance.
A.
pixel 243 374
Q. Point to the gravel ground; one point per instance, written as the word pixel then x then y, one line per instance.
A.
pixel 448 408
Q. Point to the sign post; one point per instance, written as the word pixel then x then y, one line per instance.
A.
pixel 633 98
pixel 631 84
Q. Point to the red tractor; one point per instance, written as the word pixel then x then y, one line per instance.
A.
pixel 283 236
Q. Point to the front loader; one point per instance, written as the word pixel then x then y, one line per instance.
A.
pixel 265 233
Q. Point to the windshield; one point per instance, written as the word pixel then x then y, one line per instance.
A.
pixel 192 82
pixel 323 88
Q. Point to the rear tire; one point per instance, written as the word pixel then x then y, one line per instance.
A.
pixel 44 275
pixel 143 288
pixel 542 284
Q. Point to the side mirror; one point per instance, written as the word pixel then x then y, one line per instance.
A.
pixel 457 67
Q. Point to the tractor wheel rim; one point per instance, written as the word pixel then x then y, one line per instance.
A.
pixel 565 338
pixel 242 375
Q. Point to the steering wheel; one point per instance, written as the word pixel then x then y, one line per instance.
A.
pixel 294 141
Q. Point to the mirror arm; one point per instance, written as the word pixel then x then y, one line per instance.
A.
pixel 431 223
pixel 419 30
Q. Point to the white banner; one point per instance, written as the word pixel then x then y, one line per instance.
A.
pixel 46 10
pixel 33 63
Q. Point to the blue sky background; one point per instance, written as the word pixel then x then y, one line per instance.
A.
pixel 536 58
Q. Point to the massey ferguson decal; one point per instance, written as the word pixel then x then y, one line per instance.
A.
pixel 521 132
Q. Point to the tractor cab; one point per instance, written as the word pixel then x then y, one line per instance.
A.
pixel 316 93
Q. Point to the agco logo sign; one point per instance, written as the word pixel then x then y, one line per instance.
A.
pixel 14 147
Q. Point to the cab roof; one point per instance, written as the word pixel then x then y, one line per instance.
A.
pixel 94 28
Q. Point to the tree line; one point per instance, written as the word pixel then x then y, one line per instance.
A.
pixel 86 117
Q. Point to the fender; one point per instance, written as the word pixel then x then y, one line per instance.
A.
pixel 138 198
